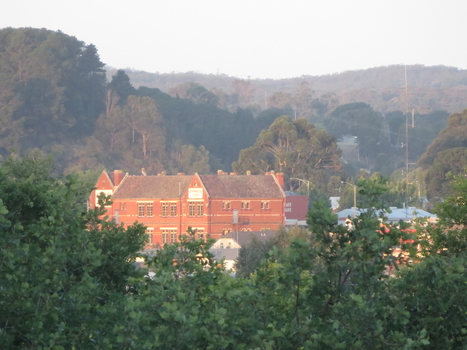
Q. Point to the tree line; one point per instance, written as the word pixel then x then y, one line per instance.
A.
pixel 56 98
pixel 429 88
pixel 68 278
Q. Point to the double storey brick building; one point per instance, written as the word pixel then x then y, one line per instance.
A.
pixel 212 204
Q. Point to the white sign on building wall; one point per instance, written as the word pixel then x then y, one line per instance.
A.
pixel 195 193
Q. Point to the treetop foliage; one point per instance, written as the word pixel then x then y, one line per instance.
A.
pixel 52 88
pixel 296 148
pixel 68 278
pixel 445 155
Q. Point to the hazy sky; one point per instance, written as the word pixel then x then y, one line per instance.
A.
pixel 256 38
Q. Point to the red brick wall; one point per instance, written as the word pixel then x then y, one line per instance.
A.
pixel 214 220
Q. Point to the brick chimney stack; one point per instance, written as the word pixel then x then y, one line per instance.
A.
pixel 280 179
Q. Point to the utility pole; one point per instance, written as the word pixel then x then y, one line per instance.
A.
pixel 406 134
pixel 304 181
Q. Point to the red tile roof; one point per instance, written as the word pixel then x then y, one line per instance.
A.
pixel 217 186
pixel 149 187
pixel 241 186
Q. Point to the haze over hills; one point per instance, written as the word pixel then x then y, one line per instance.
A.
pixel 63 102
pixel 429 88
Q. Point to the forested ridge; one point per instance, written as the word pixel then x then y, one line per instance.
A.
pixel 57 98
pixel 429 88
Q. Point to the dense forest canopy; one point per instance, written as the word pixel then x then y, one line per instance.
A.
pixel 52 88
pixel 56 96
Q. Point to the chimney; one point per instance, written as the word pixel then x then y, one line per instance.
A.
pixel 280 179
pixel 233 173
pixel 180 174
pixel 118 177
pixel 248 172
pixel 219 172
pixel 143 171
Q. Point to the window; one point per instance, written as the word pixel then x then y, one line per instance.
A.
pixel 165 236
pixel 145 209
pixel 149 210
pixel 164 209
pixel 264 205
pixel 191 208
pixel 122 206
pixel 173 236
pixel 246 205
pixel 169 235
pixel 200 209
pixel 140 209
pixel 173 209
pixel 226 230
pixel 245 229
pixel 226 205
pixel 150 233
pixel 195 208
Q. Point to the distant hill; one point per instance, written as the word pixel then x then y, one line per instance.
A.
pixel 429 88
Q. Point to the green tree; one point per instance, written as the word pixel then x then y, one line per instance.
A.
pixel 143 117
pixel 445 154
pixel 250 256
pixel 433 293
pixel 448 236
pixel 360 120
pixel 280 100
pixel 52 88
pixel 302 101
pixel 449 162
pixel 243 92
pixel 296 148
pixel 64 272
pixel 119 89
pixel 452 136
pixel 433 287
pixel 187 159
pixel 253 254
pixel 330 289
pixel 196 93
pixel 112 127
pixel 190 300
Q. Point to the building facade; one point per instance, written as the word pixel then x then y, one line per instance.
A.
pixel 212 204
